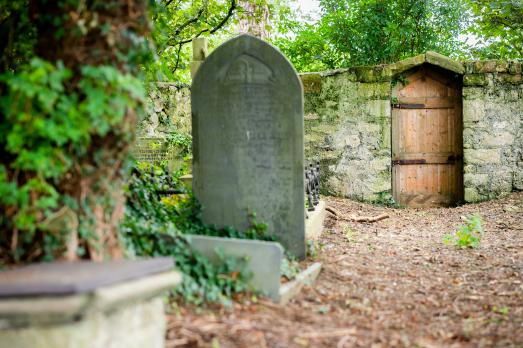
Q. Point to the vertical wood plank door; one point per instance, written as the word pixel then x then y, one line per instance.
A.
pixel 427 139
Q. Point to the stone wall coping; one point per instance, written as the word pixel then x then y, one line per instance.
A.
pixel 512 67
pixel 24 311
pixel 444 62
pixel 386 72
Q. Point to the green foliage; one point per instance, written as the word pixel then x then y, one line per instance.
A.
pixel 176 24
pixel 399 79
pixel 46 128
pixel 180 141
pixel 308 48
pixel 156 225
pixel 468 235
pixel 368 32
pixel 384 198
pixel 289 268
pixel 305 43
pixel 497 28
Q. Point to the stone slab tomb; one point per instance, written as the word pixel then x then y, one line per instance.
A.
pixel 247 105
pixel 85 304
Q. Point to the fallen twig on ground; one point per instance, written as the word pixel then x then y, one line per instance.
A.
pixel 333 211
pixel 338 216
pixel 370 218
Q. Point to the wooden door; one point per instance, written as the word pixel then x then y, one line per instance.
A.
pixel 427 145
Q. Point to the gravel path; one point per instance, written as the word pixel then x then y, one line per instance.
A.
pixel 391 283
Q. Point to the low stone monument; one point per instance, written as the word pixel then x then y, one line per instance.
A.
pixel 86 304
pixel 247 105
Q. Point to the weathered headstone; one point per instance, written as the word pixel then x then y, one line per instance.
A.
pixel 247 104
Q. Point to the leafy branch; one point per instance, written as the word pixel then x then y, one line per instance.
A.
pixel 191 28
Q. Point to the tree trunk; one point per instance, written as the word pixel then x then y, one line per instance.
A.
pixel 254 18
pixel 94 33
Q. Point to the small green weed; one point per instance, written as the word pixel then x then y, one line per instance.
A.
pixel 384 199
pixel 289 268
pixel 468 235
pixel 314 248
pixel 500 310
pixel 499 314
pixel 324 309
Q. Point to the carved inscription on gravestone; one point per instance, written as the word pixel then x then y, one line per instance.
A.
pixel 247 105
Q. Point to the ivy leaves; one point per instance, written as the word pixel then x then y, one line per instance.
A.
pixel 49 127
pixel 154 227
pixel 108 94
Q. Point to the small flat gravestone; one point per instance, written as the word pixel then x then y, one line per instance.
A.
pixel 247 105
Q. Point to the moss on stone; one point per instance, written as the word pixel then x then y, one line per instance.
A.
pixel 514 79
pixel 472 195
pixel 475 80
pixel 311 82
pixel 444 62
pixel 405 64
pixel 514 68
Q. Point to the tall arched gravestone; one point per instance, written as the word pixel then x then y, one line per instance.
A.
pixel 247 119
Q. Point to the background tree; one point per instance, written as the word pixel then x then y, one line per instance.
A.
pixel 255 18
pixel 17 35
pixel 498 28
pixel 366 32
pixel 177 23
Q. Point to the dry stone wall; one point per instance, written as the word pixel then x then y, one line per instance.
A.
pixel 347 120
pixel 347 125
pixel 493 129
pixel 168 108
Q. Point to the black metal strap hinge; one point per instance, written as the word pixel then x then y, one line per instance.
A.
pixel 409 161
pixel 408 106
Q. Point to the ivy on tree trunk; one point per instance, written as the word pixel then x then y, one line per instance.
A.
pixel 68 118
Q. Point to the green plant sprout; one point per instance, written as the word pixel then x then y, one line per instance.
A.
pixel 289 267
pixel 468 235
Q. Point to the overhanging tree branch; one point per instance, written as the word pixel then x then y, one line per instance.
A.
pixel 179 43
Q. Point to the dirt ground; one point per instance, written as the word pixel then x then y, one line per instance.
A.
pixel 391 283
